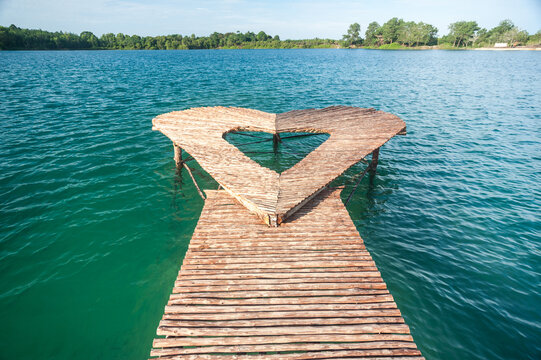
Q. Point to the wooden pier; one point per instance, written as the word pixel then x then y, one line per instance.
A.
pixel 306 289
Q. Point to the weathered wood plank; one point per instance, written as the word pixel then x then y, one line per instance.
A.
pixel 405 354
pixel 283 276
pixel 365 302
pixel 283 339
pixel 362 301
pixel 284 347
pixel 286 330
pixel 250 260
pixel 284 322
pixel 263 247
pixel 272 254
pixel 304 314
pixel 269 271
pixel 365 353
pixel 183 281
pixel 280 293
pixel 282 265
pixel 180 287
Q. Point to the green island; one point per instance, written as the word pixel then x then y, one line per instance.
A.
pixel 394 34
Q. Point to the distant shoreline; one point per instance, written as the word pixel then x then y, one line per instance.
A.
pixel 395 34
pixel 303 48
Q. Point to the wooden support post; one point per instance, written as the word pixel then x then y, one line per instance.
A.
pixel 276 139
pixel 374 162
pixel 178 154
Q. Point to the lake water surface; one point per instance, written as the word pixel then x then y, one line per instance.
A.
pixel 94 222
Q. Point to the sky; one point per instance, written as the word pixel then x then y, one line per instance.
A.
pixel 290 19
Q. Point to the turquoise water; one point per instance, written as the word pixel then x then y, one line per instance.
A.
pixel 277 155
pixel 94 222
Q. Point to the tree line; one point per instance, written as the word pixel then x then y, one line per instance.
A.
pixel 395 33
pixel 15 38
pixel 399 33
pixel 469 33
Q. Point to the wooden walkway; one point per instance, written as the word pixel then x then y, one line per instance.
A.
pixel 354 133
pixel 307 289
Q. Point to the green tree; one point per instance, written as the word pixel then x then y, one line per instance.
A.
pixel 107 41
pixel 506 32
pixel 428 34
pixel 503 27
pixel 353 36
pixel 262 36
pixel 391 30
pixel 515 36
pixel 535 39
pixel 119 41
pixel 372 35
pixel 407 33
pixel 480 37
pixel 89 40
pixel 463 32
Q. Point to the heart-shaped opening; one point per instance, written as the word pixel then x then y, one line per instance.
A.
pixel 273 153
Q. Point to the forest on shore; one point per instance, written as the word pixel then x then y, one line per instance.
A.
pixel 393 34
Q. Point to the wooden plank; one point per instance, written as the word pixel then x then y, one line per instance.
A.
pixel 263 247
pixel 281 265
pixel 286 330
pixel 283 322
pixel 295 271
pixel 180 287
pixel 284 314
pixel 276 303
pixel 284 339
pixel 299 276
pixel 243 243
pixel 183 281
pixel 249 260
pixel 285 347
pixel 244 233
pixel 355 350
pixel 368 301
pixel 280 293
pixel 273 254
pixel 383 354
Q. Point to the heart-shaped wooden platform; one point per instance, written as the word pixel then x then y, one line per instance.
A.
pixel 354 133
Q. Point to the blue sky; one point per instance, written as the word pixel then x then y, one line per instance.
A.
pixel 293 19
